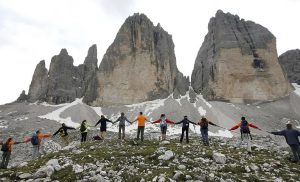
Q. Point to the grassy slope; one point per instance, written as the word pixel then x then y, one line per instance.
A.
pixel 119 156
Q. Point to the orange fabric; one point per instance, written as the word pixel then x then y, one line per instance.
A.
pixel 41 136
pixel 236 126
pixel 141 120
pixel 10 144
pixel 239 125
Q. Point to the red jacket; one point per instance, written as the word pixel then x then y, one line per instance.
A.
pixel 167 121
pixel 239 125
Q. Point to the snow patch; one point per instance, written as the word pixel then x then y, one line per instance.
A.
pixel 221 133
pixel 55 115
pixel 149 105
pixel 297 88
pixel 98 110
pixel 207 103
pixel 201 111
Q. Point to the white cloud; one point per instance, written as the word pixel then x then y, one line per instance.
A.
pixel 33 30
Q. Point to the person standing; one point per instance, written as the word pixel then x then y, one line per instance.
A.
pixel 103 125
pixel 163 121
pixel 292 139
pixel 122 119
pixel 185 128
pixel 7 149
pixel 63 132
pixel 83 130
pixel 245 132
pixel 141 119
pixel 36 141
pixel 204 129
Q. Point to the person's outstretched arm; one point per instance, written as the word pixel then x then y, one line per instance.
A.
pixel 211 123
pixel 170 122
pixel 118 120
pixel 192 122
pixel 98 122
pixel 157 121
pixel 15 143
pixel 235 127
pixel 278 132
pixel 57 131
pixel 127 120
pixel 44 136
pixel 70 128
pixel 179 122
pixel 253 126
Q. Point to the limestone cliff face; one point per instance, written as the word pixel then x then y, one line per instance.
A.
pixel 65 82
pixel 39 85
pixel 290 61
pixel 238 62
pixel 140 65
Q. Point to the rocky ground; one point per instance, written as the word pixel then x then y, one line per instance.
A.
pixel 152 160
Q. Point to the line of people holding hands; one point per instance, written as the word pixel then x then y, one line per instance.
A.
pixel 36 140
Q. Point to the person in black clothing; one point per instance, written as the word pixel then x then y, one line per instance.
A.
pixel 185 128
pixel 103 124
pixel 63 132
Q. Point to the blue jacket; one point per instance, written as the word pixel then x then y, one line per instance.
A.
pixel 291 136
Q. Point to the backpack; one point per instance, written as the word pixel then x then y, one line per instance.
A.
pixel 35 139
pixel 4 147
pixel 163 122
pixel 83 127
pixel 204 124
pixel 244 127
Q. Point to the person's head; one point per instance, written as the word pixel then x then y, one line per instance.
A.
pixel 185 117
pixel 162 115
pixel 9 140
pixel 243 118
pixel 102 116
pixel 83 122
pixel 63 124
pixel 122 114
pixel 289 126
pixel 141 113
pixel 203 119
pixel 38 131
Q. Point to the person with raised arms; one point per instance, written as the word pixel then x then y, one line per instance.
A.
pixel 141 119
pixel 163 123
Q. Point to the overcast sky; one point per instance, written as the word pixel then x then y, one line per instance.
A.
pixel 34 30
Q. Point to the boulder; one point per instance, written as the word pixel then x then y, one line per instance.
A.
pixel 167 155
pixel 77 168
pixel 238 62
pixel 54 163
pixel 219 158
pixel 25 176
pixel 44 171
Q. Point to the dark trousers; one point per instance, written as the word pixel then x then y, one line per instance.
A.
pixel 121 131
pixel 140 131
pixel 83 136
pixel 204 134
pixel 163 129
pixel 296 152
pixel 186 130
pixel 5 159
